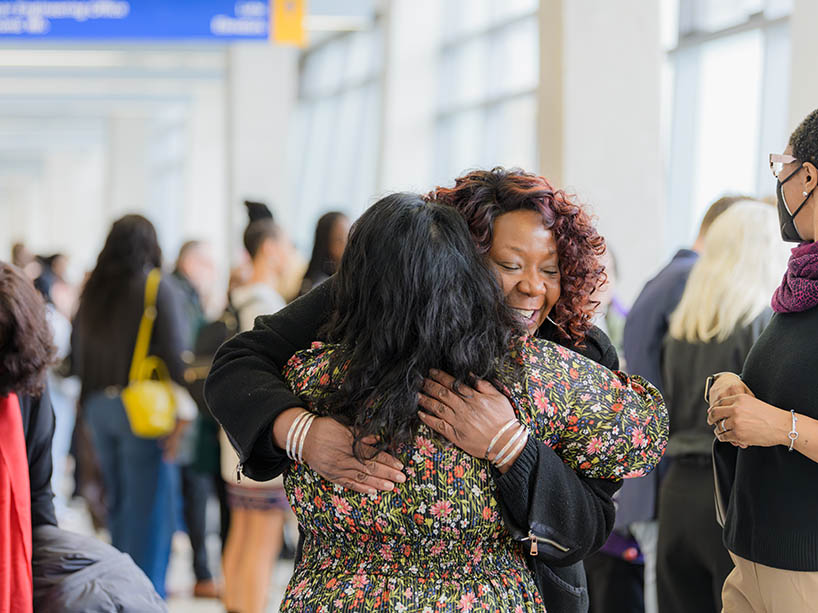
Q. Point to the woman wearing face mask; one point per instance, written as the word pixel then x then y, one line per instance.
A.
pixel 766 420
pixel 545 252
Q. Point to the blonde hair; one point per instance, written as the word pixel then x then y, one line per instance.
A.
pixel 742 262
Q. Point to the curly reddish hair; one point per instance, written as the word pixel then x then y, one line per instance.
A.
pixel 482 196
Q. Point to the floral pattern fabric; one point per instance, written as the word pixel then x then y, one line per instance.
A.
pixel 437 543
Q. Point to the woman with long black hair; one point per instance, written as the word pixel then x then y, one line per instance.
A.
pixel 139 474
pixel 412 294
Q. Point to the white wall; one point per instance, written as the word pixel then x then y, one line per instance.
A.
pixel 410 97
pixel 803 84
pixel 262 86
pixel 612 130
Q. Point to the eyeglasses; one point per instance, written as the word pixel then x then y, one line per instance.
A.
pixel 779 160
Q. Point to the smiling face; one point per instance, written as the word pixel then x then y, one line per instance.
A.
pixel 524 255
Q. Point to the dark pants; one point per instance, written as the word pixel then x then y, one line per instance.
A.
pixel 195 490
pixel 614 585
pixel 140 488
pixel 224 509
pixel 693 563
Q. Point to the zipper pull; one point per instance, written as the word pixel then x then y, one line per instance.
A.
pixel 534 550
pixel 238 472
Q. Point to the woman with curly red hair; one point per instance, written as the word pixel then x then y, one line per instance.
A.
pixel 512 205
pixel 545 252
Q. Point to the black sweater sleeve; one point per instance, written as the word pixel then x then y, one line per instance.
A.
pixel 245 390
pixel 539 492
pixel 38 424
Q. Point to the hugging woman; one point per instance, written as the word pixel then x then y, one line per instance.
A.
pixel 542 248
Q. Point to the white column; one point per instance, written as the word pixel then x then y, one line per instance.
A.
pixel 410 95
pixel 803 84
pixel 550 94
pixel 612 155
pixel 262 82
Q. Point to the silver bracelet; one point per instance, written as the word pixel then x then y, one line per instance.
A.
pixel 304 430
pixel 501 455
pixel 514 451
pixel 497 436
pixel 793 434
pixel 292 433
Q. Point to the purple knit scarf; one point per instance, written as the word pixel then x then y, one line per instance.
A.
pixel 799 290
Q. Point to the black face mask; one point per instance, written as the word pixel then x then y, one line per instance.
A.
pixel 789 232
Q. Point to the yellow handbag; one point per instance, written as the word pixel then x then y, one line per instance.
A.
pixel 148 398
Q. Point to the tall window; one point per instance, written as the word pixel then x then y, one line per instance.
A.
pixel 489 70
pixel 729 67
pixel 335 160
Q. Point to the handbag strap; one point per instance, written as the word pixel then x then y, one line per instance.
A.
pixel 143 337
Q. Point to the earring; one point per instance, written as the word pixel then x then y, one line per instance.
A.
pixel 804 193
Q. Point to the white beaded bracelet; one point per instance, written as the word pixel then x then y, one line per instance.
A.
pixel 304 430
pixel 292 433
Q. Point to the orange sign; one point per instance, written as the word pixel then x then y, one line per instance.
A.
pixel 288 22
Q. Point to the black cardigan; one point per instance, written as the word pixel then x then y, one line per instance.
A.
pixel 38 426
pixel 246 392
pixel 772 500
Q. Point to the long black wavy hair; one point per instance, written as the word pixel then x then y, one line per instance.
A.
pixel 130 251
pixel 411 294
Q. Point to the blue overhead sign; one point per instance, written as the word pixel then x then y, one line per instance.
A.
pixel 134 19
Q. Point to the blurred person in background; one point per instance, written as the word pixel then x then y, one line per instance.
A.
pixel 53 570
pixel 26 426
pixel 257 510
pixel 723 310
pixel 636 527
pixel 289 281
pixel 545 250
pixel 331 235
pixel 194 274
pixel 60 299
pixel 610 314
pixel 766 420
pixel 140 475
pixel 25 260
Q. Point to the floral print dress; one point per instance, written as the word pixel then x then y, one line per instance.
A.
pixel 437 543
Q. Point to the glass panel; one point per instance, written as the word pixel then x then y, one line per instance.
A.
pixel 507 9
pixel 465 16
pixel 517 142
pixel 468 130
pixel 729 113
pixel 364 56
pixel 515 56
pixel 775 103
pixel 778 8
pixel 717 15
pixel 468 76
